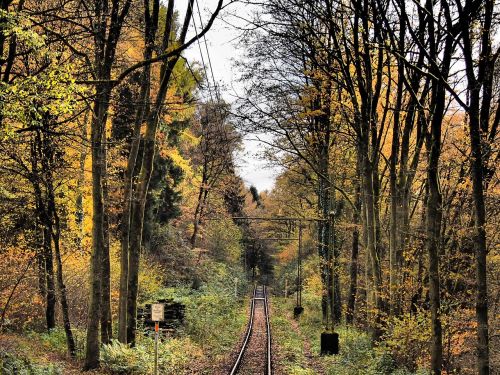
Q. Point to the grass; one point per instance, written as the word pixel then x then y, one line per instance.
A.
pixel 33 354
pixel 357 355
pixel 291 355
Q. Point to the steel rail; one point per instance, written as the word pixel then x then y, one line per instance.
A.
pixel 248 334
pixel 263 218
pixel 269 366
pixel 237 364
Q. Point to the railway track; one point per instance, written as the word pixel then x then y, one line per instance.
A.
pixel 254 356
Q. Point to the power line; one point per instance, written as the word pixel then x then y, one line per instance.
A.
pixel 204 66
pixel 208 54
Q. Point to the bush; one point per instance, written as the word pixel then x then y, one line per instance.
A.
pixel 223 241
pixel 408 339
pixel 357 354
pixel 174 356
pixel 214 321
pixel 12 365
pixel 55 340
pixel 122 359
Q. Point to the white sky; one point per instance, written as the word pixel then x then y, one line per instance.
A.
pixel 222 47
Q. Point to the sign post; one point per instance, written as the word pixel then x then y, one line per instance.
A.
pixel 157 315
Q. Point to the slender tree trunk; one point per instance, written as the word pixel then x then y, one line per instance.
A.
pixel 40 259
pixel 353 271
pixel 151 27
pixel 106 319
pixel 433 221
pixel 434 201
pixel 98 240
pixel 136 222
pixel 129 176
pixel 197 214
pixel 481 252
pixel 479 119
pixel 324 235
pixel 434 214
pixel 371 245
pixel 137 214
pixel 79 211
pixel 394 188
pixel 44 219
pixel 47 162
pixel 336 297
pixel 480 247
pixel 140 194
pixel 334 253
pixel 70 341
pixel 50 309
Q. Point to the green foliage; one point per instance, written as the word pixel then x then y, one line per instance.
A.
pixel 15 23
pixel 214 315
pixel 151 284
pixel 12 365
pixel 408 338
pixel 291 346
pixel 26 101
pixel 29 100
pixel 214 321
pixel 357 353
pixel 223 240
pixel 174 356
pixel 122 359
pixel 56 339
pixel 163 199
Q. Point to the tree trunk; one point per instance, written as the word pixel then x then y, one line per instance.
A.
pixel 79 210
pixel 197 214
pixel 46 231
pixel 47 162
pixel 50 309
pixel 151 27
pixel 434 218
pixel 479 119
pixel 434 201
pixel 371 245
pixel 140 195
pixel 40 259
pixel 107 29
pixel 106 319
pixel 334 285
pixel 394 244
pixel 70 341
pixel 480 250
pixel 434 207
pixel 353 270
pixel 98 245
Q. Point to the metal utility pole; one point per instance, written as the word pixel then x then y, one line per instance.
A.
pixel 298 308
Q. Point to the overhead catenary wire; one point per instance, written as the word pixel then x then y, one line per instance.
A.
pixel 217 93
pixel 215 97
pixel 203 65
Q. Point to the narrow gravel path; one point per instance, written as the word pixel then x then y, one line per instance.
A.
pixel 313 361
